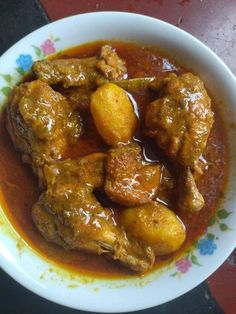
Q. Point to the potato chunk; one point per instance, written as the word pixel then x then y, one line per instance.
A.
pixel 156 225
pixel 113 114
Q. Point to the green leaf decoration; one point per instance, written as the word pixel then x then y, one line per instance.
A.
pixel 224 227
pixel 212 221
pixel 5 90
pixel 37 51
pixel 7 77
pixel 56 39
pixel 194 260
pixel 174 274
pixel 211 236
pixel 223 213
pixel 20 71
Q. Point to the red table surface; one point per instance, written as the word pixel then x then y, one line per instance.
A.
pixel 211 21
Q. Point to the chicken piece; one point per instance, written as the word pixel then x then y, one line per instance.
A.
pixel 47 223
pixel 156 225
pixel 69 72
pixel 41 124
pixel 78 98
pixel 130 180
pixel 69 214
pixel 167 187
pixel 111 65
pixel 190 199
pixel 82 72
pixel 181 121
pixel 87 171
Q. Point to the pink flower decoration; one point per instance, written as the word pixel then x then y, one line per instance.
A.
pixel 47 47
pixel 183 265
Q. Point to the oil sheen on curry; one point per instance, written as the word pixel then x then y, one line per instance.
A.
pixel 113 158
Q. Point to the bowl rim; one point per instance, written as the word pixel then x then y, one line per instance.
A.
pixel 22 278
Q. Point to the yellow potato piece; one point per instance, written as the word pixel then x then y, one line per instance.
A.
pixel 113 114
pixel 155 224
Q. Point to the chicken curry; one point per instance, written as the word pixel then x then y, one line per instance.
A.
pixel 128 156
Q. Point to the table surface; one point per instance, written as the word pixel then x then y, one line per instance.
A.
pixel 214 23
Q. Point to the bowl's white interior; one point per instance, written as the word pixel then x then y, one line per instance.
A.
pixel 126 295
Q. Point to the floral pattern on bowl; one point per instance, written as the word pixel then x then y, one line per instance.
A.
pixel 24 63
pixel 206 245
pixel 25 60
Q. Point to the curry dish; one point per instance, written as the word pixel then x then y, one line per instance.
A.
pixel 128 156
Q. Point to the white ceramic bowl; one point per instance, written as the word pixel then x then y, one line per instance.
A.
pixel 82 292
